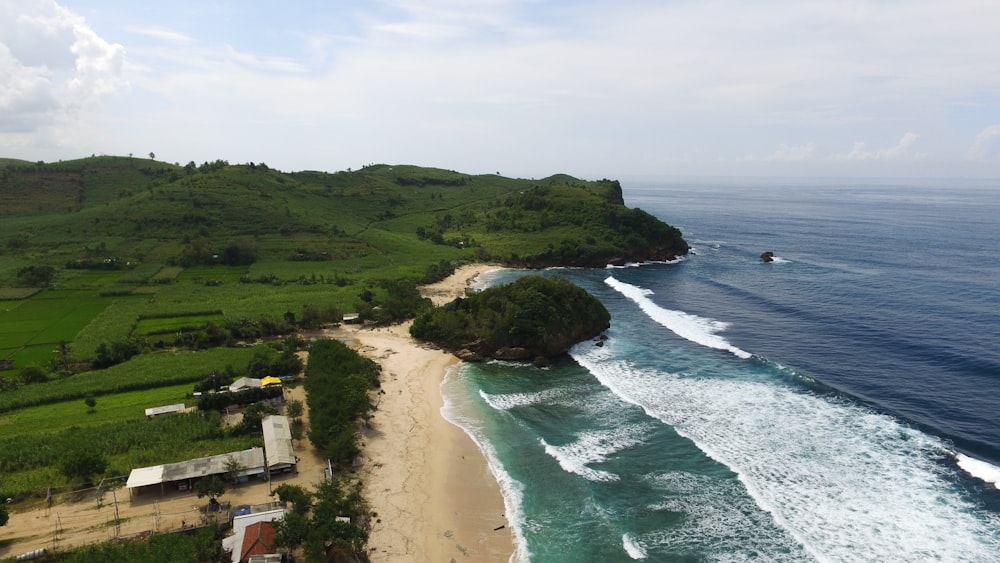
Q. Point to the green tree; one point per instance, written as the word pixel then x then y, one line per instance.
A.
pixel 80 465
pixel 35 276
pixel 233 470
pixel 210 487
pixel 252 416
pixel 296 428
pixel 300 499
pixel 32 374
pixel 293 409
pixel 313 525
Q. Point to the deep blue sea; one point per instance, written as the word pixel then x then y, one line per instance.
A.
pixel 839 404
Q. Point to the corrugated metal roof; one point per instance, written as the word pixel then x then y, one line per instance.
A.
pixel 179 407
pixel 277 440
pixel 252 461
pixel 145 476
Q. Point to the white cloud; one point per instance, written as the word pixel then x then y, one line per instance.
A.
pixel 792 153
pixel 898 151
pixel 981 145
pixel 264 63
pixel 161 34
pixel 51 66
pixel 524 86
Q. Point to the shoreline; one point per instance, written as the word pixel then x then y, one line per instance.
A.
pixel 431 487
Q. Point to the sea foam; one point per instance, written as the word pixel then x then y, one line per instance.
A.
pixel 979 469
pixel 634 549
pixel 845 482
pixel 593 447
pixel 691 327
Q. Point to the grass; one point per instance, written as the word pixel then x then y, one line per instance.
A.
pixel 46 319
pixel 120 407
pixel 145 371
pixel 178 323
pixel 17 293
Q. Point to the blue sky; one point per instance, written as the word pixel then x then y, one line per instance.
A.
pixel 624 89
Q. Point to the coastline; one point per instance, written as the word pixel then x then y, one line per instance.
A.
pixel 425 478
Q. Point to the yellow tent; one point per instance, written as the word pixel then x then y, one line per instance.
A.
pixel 270 380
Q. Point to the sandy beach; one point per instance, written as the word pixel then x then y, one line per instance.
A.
pixel 426 479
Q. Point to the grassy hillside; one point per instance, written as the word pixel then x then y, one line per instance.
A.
pixel 128 237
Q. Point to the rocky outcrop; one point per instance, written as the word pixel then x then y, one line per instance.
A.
pixel 767 256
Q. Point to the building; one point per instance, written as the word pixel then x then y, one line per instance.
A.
pixel 182 475
pixel 167 409
pixel 244 383
pixel 250 538
pixel 258 539
pixel 280 455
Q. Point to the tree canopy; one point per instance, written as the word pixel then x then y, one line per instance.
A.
pixel 533 316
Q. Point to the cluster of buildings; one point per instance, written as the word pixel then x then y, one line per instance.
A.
pixel 277 456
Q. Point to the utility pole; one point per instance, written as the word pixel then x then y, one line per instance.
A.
pixel 56 532
pixel 118 523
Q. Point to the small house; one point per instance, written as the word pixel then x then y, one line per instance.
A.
pixel 245 383
pixel 167 409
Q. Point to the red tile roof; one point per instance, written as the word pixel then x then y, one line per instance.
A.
pixel 258 539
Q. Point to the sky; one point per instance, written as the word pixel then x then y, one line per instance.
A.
pixel 527 88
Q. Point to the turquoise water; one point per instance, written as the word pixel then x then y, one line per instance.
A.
pixel 829 407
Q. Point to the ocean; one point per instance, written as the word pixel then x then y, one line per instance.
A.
pixel 841 403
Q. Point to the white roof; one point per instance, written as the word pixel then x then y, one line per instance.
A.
pixel 145 476
pixel 244 383
pixel 277 440
pixel 179 407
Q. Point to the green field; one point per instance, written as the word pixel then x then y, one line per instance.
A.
pixel 120 407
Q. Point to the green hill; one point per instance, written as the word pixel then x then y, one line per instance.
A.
pixel 116 241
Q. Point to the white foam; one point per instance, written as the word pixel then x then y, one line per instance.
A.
pixel 595 447
pixel 691 327
pixel 720 513
pixel 677 260
pixel 507 401
pixel 979 469
pixel 780 260
pixel 511 489
pixel 485 279
pixel 634 549
pixel 846 483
